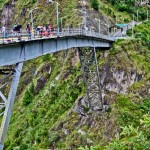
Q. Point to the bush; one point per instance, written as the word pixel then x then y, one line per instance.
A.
pixel 94 4
pixel 46 57
pixel 122 7
pixel 130 138
pixel 31 88
pixel 23 147
pixel 27 98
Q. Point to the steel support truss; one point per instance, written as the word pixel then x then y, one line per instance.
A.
pixel 91 77
pixel 10 77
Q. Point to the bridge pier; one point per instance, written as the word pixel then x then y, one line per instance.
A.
pixel 88 60
pixel 6 104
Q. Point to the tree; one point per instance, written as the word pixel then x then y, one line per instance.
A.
pixel 95 4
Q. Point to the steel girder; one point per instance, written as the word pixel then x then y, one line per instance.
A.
pixel 10 77
pixel 91 77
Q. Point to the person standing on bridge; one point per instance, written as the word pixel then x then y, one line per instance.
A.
pixel 70 28
pixel 28 29
pixel 51 30
pixel 50 27
pixel 3 31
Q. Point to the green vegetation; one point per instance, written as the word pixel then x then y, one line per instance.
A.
pixel 95 4
pixel 130 7
pixel 143 34
pixel 44 13
pixel 48 105
pixel 1 3
pixel 133 138
pixel 63 128
pixel 123 11
pixel 45 114
pixel 28 95
pixel 113 14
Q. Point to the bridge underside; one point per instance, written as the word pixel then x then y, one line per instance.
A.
pixel 22 51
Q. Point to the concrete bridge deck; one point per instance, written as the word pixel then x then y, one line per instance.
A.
pixel 19 51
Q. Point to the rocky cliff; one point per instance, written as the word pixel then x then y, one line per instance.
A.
pixel 51 91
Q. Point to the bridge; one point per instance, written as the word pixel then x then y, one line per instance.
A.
pixel 15 51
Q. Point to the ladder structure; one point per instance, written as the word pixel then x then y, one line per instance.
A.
pixel 91 77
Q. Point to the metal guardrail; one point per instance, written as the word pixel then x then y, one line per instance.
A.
pixel 12 37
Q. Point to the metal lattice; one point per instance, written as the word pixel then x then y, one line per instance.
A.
pixel 91 76
pixel 8 86
pixel 5 79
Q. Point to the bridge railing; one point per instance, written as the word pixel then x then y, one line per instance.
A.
pixel 11 36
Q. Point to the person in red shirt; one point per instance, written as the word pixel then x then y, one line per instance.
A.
pixel 50 28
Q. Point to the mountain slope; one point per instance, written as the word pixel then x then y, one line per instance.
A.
pixel 48 120
pixel 51 90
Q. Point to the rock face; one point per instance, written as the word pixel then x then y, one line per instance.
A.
pixel 120 80
pixel 7 14
pixel 113 79
pixel 11 14
pixel 93 24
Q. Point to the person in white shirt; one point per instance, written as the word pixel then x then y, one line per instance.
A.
pixel 3 29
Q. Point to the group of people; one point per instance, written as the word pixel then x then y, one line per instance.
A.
pixel 40 30
pixel 17 31
pixel 45 30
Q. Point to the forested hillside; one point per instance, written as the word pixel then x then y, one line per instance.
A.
pixel 51 89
